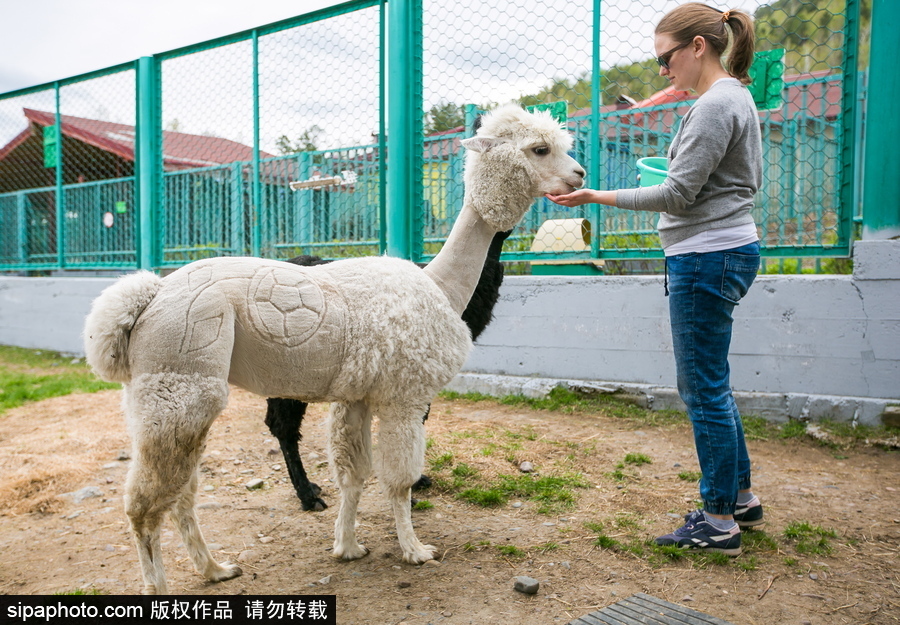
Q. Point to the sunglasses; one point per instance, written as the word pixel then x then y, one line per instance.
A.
pixel 663 59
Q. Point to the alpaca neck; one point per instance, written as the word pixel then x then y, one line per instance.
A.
pixel 457 267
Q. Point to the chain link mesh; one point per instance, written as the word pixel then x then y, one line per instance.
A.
pixel 242 117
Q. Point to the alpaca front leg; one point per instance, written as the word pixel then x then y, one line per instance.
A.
pixel 350 455
pixel 400 455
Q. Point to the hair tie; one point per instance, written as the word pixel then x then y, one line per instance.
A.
pixel 726 15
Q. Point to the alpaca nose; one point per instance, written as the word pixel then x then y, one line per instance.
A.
pixel 580 172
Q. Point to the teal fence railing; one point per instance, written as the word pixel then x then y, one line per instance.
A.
pixel 189 153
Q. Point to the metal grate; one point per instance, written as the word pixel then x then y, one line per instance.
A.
pixel 645 609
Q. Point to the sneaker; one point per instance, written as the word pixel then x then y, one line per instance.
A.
pixel 698 534
pixel 750 514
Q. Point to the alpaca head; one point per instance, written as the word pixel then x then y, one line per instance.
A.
pixel 515 157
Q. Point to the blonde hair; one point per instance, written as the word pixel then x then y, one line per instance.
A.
pixel 695 19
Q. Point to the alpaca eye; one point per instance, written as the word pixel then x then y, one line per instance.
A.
pixel 541 151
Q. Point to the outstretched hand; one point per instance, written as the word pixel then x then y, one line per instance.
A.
pixel 584 196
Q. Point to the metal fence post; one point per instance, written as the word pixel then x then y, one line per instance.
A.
pixel 595 139
pixel 60 193
pixel 148 154
pixel 255 186
pixel 881 184
pixel 21 228
pixel 404 121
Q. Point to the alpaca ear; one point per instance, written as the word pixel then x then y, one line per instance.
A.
pixel 482 144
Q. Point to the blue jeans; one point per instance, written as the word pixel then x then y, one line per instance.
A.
pixel 703 291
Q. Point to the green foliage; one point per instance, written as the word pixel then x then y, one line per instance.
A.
pixel 306 142
pixel 423 504
pixel 33 375
pixel 811 32
pixel 444 116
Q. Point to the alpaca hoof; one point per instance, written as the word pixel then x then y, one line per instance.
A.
pixel 225 571
pixel 422 483
pixel 315 488
pixel 313 505
pixel 420 556
pixel 351 553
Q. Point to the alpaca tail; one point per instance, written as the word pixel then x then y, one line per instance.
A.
pixel 107 328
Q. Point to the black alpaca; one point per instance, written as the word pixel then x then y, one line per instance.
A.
pixel 284 416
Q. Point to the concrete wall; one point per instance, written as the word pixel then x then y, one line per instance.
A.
pixel 817 346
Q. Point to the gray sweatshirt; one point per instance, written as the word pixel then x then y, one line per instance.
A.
pixel 715 167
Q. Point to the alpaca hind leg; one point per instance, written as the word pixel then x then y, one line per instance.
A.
pixel 168 416
pixel 185 517
pixel 350 455
pixel 399 457
pixel 283 418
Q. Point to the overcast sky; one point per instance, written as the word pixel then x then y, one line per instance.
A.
pixel 52 39
pixel 322 77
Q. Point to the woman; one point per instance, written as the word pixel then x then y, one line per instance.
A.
pixel 712 251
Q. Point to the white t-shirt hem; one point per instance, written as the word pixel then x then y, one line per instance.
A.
pixel 715 240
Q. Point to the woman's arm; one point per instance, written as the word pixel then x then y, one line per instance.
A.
pixel 584 196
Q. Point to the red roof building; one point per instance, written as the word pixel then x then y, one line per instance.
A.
pixel 100 150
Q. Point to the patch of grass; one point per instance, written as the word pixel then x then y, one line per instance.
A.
pixel 423 504
pixel 637 459
pixel 757 428
pixel 34 375
pixel 810 539
pixel 601 539
pixel 565 400
pixel 758 540
pixel 464 471
pixel 617 475
pixel 690 476
pixel 510 551
pixel 486 498
pixel 80 592
pixel 749 563
pixel 626 522
pixel 792 429
pixel 548 547
pixel 438 463
pixel 661 554
pixel 552 493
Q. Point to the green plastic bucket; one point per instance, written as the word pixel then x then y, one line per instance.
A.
pixel 653 170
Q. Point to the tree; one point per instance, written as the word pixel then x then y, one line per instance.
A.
pixel 444 116
pixel 305 143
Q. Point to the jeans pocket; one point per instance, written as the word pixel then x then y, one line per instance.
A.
pixel 739 272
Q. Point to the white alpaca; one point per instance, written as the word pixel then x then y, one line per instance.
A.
pixel 372 335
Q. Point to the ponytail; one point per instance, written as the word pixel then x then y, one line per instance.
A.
pixel 695 19
pixel 743 44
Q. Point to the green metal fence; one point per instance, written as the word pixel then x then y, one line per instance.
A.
pixel 189 153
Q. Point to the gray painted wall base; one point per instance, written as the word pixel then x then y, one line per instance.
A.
pixel 804 345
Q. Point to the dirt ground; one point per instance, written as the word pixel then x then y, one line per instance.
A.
pixel 51 543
